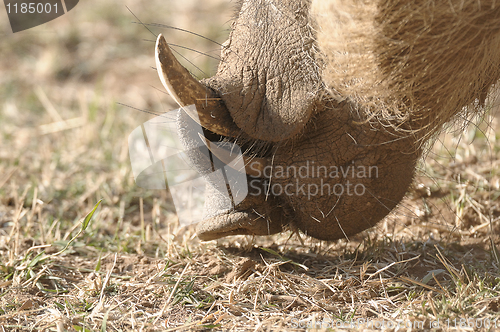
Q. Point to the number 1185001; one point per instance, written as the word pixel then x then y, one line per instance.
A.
pixel 31 8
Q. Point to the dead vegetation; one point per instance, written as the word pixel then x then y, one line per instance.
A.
pixel 63 147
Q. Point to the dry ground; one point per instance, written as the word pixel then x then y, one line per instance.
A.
pixel 63 147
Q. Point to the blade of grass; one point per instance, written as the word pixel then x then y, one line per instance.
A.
pixel 85 224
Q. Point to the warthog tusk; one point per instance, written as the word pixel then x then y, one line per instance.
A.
pixel 254 166
pixel 186 90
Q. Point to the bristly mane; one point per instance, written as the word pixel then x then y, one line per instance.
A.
pixel 411 65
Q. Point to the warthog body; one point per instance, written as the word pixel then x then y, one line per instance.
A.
pixel 332 103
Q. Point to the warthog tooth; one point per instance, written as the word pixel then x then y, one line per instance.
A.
pixel 254 166
pixel 186 90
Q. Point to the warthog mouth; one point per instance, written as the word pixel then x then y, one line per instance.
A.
pixel 264 212
pixel 213 116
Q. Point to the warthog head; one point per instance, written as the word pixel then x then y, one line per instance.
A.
pixel 321 156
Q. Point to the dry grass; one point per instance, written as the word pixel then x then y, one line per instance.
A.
pixel 63 147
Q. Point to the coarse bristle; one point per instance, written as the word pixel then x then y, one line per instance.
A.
pixel 413 65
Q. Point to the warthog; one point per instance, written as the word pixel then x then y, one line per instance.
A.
pixel 332 103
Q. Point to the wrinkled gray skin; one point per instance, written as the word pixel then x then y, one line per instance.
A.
pixel 270 84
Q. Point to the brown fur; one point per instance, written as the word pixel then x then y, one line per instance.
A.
pixel 411 64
